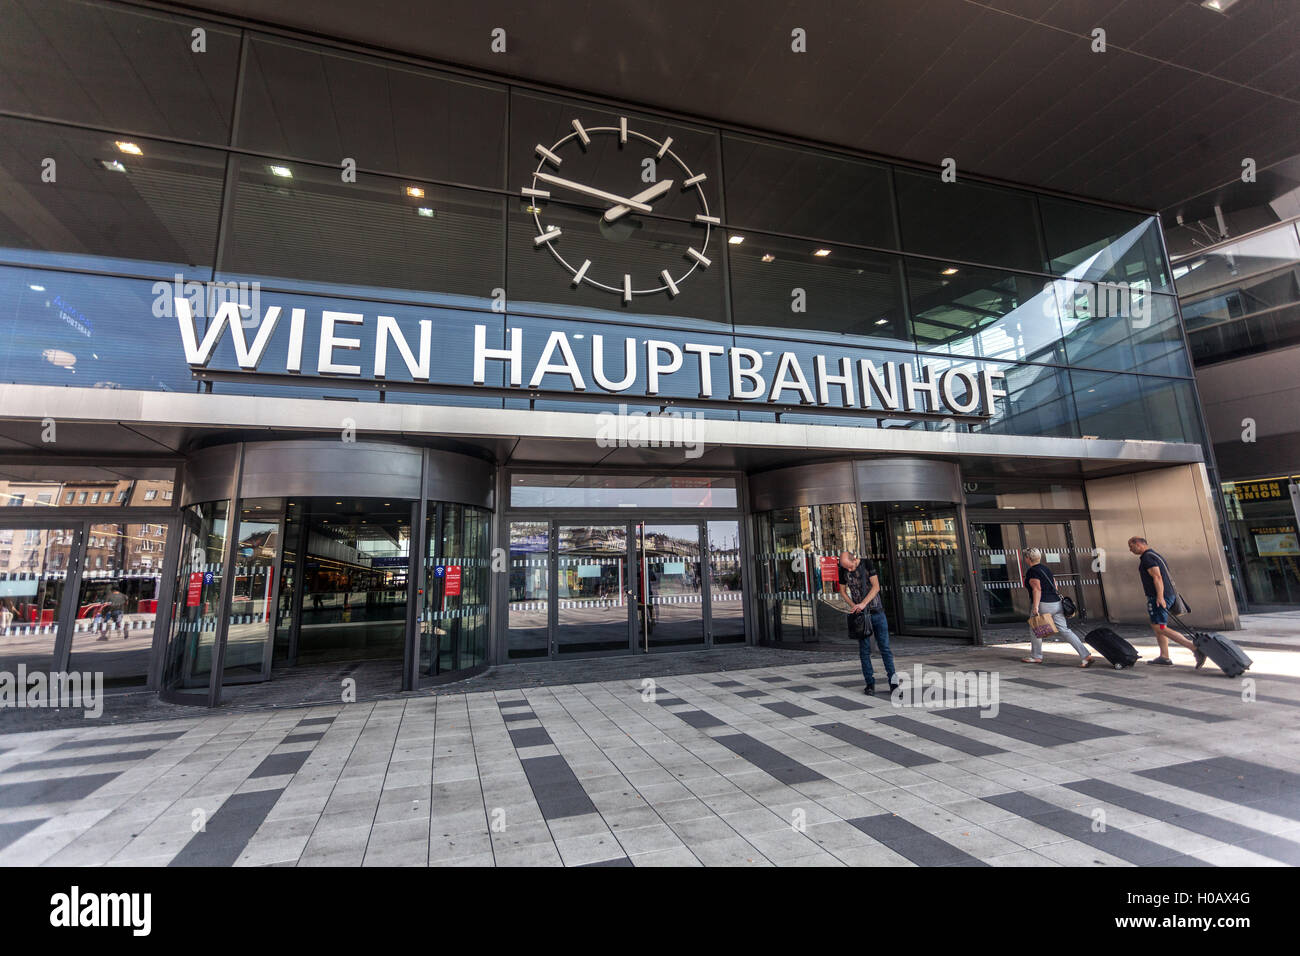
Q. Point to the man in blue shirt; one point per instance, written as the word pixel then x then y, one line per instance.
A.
pixel 1158 585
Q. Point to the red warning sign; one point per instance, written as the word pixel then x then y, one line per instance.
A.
pixel 453 580
pixel 196 589
pixel 830 571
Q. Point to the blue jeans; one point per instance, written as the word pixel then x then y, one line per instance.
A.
pixel 881 626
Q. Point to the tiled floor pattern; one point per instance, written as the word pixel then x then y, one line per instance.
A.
pixel 781 765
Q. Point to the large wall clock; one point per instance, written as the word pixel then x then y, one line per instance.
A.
pixel 605 193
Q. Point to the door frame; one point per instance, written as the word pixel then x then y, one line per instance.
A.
pixel 277 566
pixel 962 553
pixel 632 520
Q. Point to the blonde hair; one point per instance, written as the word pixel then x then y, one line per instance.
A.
pixel 1034 555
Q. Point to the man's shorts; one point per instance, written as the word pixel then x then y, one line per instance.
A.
pixel 1159 615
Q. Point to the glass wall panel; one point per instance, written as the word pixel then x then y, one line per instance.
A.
pixel 151 211
pixel 1263 527
pixel 454 623
pixel 119 67
pixel 981 313
pixel 97 492
pixel 529 607
pixel 726 584
pixel 672 605
pixel 118 604
pixel 1113 328
pixel 775 187
pixel 968 222
pixel 1103 245
pixel 300 224
pixel 1010 493
pixel 33 571
pixel 1119 406
pixel 792 543
pixel 1037 400
pixel 807 288
pixel 930 574
pixel 252 598
pixel 323 105
pixel 64 328
pixel 197 596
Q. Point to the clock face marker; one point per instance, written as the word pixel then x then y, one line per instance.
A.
pixel 627 287
pixel 547 155
pixel 535 193
pixel 622 129
pixel 548 236
pixel 577 276
pixel 668 281
pixel 582 133
pixel 708 220
pixel 664 148
pixel 697 256
pixel 694 179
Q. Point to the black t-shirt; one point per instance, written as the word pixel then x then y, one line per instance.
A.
pixel 1043 575
pixel 1149 560
pixel 858 582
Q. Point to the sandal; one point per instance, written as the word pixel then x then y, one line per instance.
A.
pixel 1031 660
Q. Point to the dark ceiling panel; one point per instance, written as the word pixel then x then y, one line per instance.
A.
pixel 1011 87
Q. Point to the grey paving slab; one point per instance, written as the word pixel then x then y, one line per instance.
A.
pixel 919 728
pixel 875 744
pixel 54 790
pixel 228 831
pixel 769 759
pixel 1158 707
pixel 911 841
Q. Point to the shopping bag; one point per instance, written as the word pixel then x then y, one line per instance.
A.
pixel 1042 625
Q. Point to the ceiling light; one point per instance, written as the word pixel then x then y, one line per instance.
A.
pixel 415 192
pixel 882 321
pixel 736 240
pixel 37 288
pixel 284 172
pixel 112 165
pixel 59 357
pixel 768 257
pixel 131 148
pixel 950 271
pixel 1218 6
pixel 425 211
pixel 822 252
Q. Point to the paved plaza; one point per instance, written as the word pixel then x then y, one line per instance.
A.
pixel 786 764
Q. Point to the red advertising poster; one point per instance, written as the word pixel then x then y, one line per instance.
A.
pixel 196 589
pixel 453 580
pixel 830 571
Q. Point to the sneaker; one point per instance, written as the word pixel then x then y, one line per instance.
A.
pixel 869 689
pixel 1200 657
pixel 1164 661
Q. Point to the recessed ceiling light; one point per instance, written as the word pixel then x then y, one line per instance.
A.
pixel 822 252
pixel 112 165
pixel 1218 6
pixel 425 211
pixel 768 257
pixel 37 288
pixel 950 271
pixel 736 240
pixel 882 321
pixel 415 192
pixel 284 172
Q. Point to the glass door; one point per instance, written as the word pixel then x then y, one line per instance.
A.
pixel 34 564
pixel 929 581
pixel 996 547
pixel 1053 539
pixel 671 609
pixel 726 583
pixel 591 612
pixel 250 629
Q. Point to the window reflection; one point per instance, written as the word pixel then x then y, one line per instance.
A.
pixel 1103 245
pixel 617 491
pixel 968 222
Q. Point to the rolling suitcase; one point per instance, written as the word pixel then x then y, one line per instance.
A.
pixel 1111 646
pixel 1232 660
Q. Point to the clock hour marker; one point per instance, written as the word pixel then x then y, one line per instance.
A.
pixel 696 255
pixel 627 287
pixel 695 179
pixel 535 193
pixel 664 148
pixel 622 129
pixel 547 155
pixel 582 133
pixel 708 220
pixel 549 235
pixel 668 281
pixel 577 276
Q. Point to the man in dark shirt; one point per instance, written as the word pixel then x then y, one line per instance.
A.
pixel 860 589
pixel 1158 585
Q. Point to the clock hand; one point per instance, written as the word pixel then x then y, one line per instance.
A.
pixel 591 191
pixel 654 192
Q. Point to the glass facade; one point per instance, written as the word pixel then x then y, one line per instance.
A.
pixel 805 247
